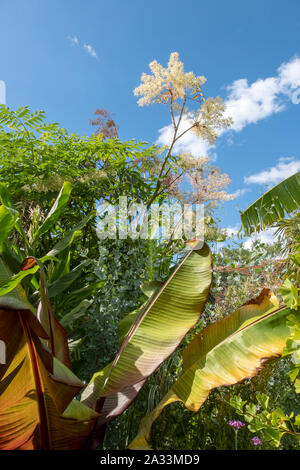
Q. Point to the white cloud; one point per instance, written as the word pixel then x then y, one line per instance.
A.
pixel 265 236
pixel 74 40
pixel 289 73
pixel 90 50
pixel 240 192
pixel 285 167
pixel 246 104
pixel 231 231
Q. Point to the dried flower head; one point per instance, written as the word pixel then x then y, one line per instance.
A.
pixel 209 119
pixel 106 126
pixel 208 184
pixel 188 162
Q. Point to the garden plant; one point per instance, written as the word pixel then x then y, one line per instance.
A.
pixel 101 335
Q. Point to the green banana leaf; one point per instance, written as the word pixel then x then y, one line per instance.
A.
pixel 75 313
pixel 14 294
pixel 37 405
pixel 62 248
pixel 69 237
pixel 76 296
pixel 60 285
pixel 153 335
pixel 7 222
pixel 10 283
pixel 150 288
pixel 55 211
pixel 10 257
pixel 225 353
pixel 127 322
pixel 272 206
pixel 5 200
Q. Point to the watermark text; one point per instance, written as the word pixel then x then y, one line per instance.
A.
pixel 136 221
pixel 2 352
pixel 2 92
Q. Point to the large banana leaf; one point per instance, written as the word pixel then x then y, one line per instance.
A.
pixel 225 353
pixel 69 237
pixel 58 338
pixel 10 283
pixel 14 294
pixel 152 335
pixel 37 405
pixel 58 341
pixel 273 205
pixel 36 392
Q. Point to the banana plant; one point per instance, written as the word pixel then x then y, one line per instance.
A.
pixel 225 353
pixel 272 206
pixel 60 276
pixel 150 335
pixel 39 403
pixel 39 407
pixel 270 210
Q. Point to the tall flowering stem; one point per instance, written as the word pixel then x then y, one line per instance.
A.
pixel 175 87
pixel 236 425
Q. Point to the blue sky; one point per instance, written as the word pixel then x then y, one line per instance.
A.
pixel 249 52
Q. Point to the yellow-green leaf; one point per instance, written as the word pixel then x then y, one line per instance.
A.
pixel 228 351
pixel 155 333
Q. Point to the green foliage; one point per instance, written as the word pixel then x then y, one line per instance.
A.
pixel 289 293
pixel 242 273
pixel 48 327
pixel 271 424
pixel 122 266
pixel 36 158
pixel 93 284
pixel 284 198
pixel 289 230
pixel 208 429
pixel 56 272
pixel 293 348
